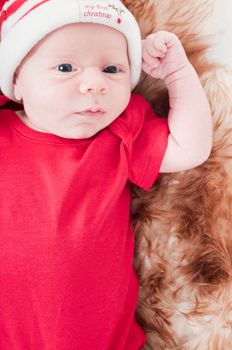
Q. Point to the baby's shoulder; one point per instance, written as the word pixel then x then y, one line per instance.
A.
pixel 130 122
pixel 137 100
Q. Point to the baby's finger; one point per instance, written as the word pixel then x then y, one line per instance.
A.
pixel 154 72
pixel 146 68
pixel 160 42
pixel 156 46
pixel 151 50
pixel 150 60
pixel 149 68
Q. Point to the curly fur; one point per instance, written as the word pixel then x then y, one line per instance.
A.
pixel 183 253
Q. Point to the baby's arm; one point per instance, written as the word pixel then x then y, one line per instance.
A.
pixel 189 118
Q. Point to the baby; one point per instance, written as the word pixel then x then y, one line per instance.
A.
pixel 68 157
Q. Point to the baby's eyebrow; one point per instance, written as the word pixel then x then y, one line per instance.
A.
pixel 61 52
pixel 65 54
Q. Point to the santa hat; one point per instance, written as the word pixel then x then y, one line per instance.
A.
pixel 24 22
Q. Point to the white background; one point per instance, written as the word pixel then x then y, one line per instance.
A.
pixel 221 25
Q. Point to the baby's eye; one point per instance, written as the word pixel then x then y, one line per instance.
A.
pixel 111 69
pixel 65 68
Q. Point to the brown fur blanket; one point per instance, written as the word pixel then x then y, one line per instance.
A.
pixel 183 224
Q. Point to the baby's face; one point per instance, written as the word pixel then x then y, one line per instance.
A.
pixel 75 82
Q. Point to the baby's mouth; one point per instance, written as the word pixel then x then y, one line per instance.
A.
pixel 92 111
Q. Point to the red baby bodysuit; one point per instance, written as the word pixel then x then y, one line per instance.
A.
pixel 66 246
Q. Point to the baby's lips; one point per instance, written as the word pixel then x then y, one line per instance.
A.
pixel 92 111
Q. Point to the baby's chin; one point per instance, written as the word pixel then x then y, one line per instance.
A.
pixel 69 128
pixel 77 133
pixel 84 130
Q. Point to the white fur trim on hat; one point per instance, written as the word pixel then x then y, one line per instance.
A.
pixel 25 23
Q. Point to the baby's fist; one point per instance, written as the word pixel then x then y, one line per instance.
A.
pixel 163 54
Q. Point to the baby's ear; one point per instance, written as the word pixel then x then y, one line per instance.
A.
pixel 16 89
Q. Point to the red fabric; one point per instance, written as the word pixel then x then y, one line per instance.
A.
pixel 66 247
pixel 14 7
pixel 3 100
pixel 2 2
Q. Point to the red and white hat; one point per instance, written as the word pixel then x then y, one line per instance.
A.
pixel 23 23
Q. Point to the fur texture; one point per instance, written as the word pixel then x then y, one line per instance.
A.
pixel 183 224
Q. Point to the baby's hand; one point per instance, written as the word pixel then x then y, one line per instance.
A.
pixel 163 55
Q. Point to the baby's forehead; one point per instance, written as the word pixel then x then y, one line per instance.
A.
pixel 82 32
pixel 83 39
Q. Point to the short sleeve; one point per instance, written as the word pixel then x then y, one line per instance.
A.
pixel 143 138
pixel 148 144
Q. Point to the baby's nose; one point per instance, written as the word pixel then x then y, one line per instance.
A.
pixel 94 84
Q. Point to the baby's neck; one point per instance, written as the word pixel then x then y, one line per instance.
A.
pixel 23 117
